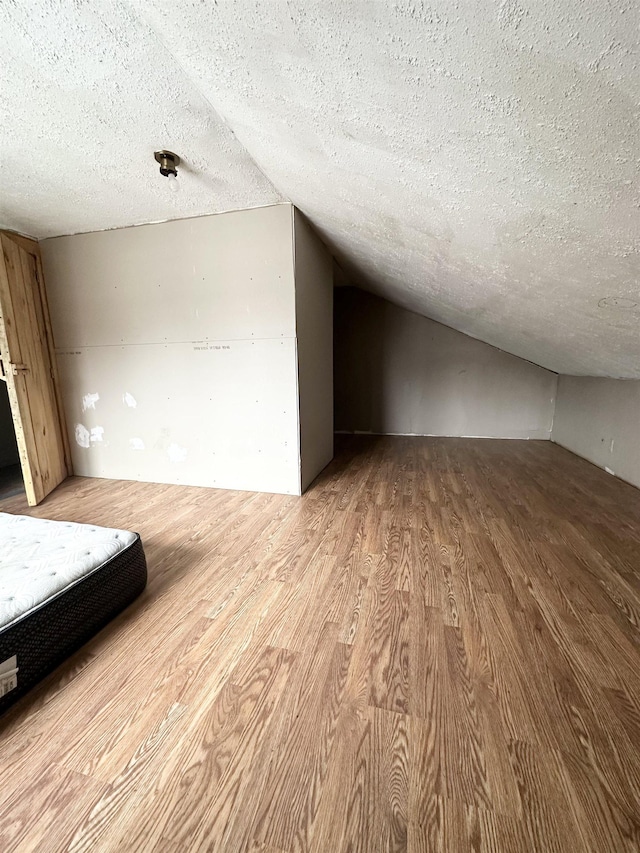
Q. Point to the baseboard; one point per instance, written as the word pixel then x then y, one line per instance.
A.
pixel 442 435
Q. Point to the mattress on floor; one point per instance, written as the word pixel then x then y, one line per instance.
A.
pixel 60 583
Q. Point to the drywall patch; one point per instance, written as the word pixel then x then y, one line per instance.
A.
pixel 89 401
pixel 83 437
pixel 129 400
pixel 136 443
pixel 96 434
pixel 176 453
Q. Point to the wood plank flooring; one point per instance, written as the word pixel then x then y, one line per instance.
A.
pixel 435 649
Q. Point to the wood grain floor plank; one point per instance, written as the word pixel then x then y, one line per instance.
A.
pixel 341 819
pixel 442 826
pixel 510 676
pixel 44 814
pixel 465 777
pixel 602 825
pixel 435 649
pixel 292 790
pixel 100 827
pixel 212 740
pixel 547 817
pixel 389 637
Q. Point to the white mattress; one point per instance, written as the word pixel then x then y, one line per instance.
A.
pixel 41 559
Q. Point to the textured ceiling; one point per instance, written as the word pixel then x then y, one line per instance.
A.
pixel 475 162
pixel 88 93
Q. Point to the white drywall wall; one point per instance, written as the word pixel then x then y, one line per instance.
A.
pixel 397 372
pixel 599 419
pixel 8 446
pixel 314 328
pixel 177 352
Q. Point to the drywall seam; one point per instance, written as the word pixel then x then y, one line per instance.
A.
pixel 188 341
pixel 162 221
pixel 299 419
pixel 149 222
pixel 314 326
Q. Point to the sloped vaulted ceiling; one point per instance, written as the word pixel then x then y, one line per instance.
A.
pixel 475 162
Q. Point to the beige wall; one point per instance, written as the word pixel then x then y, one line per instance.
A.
pixel 599 419
pixel 400 373
pixel 314 325
pixel 176 344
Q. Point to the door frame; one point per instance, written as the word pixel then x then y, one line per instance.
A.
pixel 32 248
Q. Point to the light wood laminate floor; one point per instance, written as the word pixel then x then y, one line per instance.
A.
pixel 436 648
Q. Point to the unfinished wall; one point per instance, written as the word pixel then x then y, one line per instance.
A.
pixel 8 447
pixel 599 419
pixel 177 350
pixel 399 373
pixel 314 323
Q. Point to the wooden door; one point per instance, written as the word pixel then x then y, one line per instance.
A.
pixel 29 368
